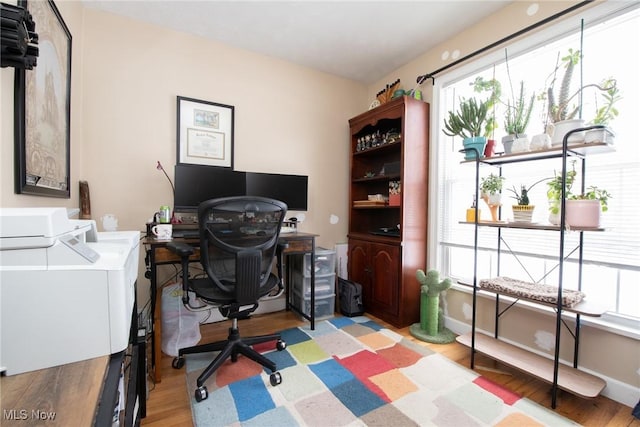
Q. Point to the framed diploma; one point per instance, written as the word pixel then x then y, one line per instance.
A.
pixel 205 133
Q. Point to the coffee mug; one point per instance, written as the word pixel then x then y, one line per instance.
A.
pixel 162 231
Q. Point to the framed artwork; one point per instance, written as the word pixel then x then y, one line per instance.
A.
pixel 42 108
pixel 205 133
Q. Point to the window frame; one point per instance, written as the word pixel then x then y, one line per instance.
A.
pixel 554 32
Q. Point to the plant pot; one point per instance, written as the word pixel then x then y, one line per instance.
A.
pixel 492 198
pixel 489 149
pixel 562 127
pixel 583 213
pixel 598 135
pixel 540 142
pixel 477 143
pixel 507 143
pixel 522 213
pixel 554 211
pixel 493 201
pixel 521 144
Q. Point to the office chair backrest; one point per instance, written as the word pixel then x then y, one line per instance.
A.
pixel 238 242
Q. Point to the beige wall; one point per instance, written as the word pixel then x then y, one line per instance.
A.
pixel 288 119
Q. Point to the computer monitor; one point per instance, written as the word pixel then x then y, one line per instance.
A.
pixel 195 184
pixel 291 189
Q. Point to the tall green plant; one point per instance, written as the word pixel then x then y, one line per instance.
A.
pixel 468 121
pixel 518 114
pixel 560 107
pixel 494 87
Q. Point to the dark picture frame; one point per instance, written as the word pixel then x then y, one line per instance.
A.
pixel 204 133
pixel 42 109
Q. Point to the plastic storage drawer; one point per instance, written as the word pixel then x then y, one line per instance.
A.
pixel 325 284
pixel 325 262
pixel 325 306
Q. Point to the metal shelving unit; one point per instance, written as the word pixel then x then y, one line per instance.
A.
pixel 558 375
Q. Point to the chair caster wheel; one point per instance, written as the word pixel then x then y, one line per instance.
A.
pixel 201 394
pixel 275 379
pixel 178 362
pixel 281 345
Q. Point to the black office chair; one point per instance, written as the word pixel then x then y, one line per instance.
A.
pixel 238 245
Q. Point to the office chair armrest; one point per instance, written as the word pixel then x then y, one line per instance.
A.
pixel 181 249
pixel 184 251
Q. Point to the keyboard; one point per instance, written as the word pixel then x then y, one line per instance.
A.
pixel 186 234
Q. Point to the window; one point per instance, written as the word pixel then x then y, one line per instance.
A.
pixel 611 271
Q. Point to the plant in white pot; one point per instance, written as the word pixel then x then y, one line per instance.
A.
pixel 491 193
pixel 516 120
pixel 554 192
pixel 468 123
pixel 605 113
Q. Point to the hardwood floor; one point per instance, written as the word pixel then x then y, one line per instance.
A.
pixel 168 403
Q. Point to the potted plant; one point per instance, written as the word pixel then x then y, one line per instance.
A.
pixel 468 123
pixel 523 211
pixel 561 112
pixel 516 118
pixel 491 193
pixel 554 192
pixel 605 113
pixel 583 210
pixel 494 88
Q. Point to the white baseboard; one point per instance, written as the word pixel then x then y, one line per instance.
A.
pixel 615 390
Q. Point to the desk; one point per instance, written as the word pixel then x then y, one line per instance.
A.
pixel 158 254
pixel 71 392
pixel 76 394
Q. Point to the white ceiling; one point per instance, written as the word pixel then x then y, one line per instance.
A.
pixel 358 40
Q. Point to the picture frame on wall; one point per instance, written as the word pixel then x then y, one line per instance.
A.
pixel 205 133
pixel 43 108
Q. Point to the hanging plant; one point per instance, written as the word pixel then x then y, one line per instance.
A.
pixel 560 105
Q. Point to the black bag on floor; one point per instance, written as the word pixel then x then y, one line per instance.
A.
pixel 350 298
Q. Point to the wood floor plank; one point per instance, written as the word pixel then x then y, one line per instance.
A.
pixel 168 403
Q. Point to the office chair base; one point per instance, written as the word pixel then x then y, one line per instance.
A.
pixel 231 348
pixel 275 378
pixel 201 394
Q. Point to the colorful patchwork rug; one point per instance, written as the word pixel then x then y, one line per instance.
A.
pixel 353 372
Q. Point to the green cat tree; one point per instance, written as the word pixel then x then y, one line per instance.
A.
pixel 431 327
